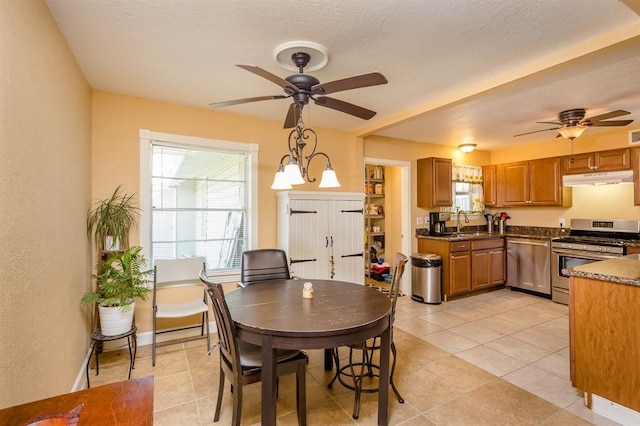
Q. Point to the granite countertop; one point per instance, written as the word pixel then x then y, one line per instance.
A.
pixel 621 270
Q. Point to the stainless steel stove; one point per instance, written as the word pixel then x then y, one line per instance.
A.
pixel 589 240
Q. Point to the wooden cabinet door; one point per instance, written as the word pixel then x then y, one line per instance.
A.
pixel 545 182
pixel 489 185
pixel 578 163
pixel 514 184
pixel 480 269
pixel 635 164
pixel 434 182
pixel 612 160
pixel 497 268
pixel 459 273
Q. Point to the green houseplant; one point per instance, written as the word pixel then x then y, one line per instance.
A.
pixel 122 278
pixel 110 220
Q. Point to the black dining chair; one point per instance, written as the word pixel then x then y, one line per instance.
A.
pixel 241 362
pixel 263 265
pixel 368 350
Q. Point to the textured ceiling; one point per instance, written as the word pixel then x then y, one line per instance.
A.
pixel 458 70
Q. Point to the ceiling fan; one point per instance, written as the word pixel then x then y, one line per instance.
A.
pixel 571 123
pixel 302 87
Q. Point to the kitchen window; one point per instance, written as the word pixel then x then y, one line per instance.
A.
pixel 200 200
pixel 467 189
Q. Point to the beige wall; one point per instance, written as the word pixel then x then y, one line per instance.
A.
pixel 45 176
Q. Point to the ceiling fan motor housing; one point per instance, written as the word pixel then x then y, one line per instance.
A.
pixel 572 117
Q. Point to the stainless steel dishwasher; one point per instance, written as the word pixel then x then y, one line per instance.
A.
pixel 528 265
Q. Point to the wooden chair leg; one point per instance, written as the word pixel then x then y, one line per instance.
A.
pixel 216 417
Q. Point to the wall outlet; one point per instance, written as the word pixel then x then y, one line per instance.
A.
pixel 562 223
pixel 419 221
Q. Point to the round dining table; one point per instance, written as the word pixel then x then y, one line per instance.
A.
pixel 275 315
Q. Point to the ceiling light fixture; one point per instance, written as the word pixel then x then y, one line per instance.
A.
pixel 572 132
pixel 297 168
pixel 467 147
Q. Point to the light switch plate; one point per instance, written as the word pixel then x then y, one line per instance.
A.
pixel 562 222
pixel 419 220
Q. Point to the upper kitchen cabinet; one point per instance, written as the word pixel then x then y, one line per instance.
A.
pixel 601 161
pixel 635 163
pixel 490 185
pixel 434 182
pixel 532 183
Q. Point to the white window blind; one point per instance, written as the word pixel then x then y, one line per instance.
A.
pixel 198 204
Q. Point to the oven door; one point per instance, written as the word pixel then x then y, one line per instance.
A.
pixel 562 259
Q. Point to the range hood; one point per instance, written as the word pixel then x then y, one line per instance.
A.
pixel 602 178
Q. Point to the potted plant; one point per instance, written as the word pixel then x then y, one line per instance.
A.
pixel 122 279
pixel 110 220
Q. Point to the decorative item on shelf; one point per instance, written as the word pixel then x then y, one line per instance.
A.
pixel 378 189
pixel 467 147
pixel 297 168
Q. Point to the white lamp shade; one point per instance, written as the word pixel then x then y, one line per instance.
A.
pixel 329 178
pixel 572 132
pixel 292 172
pixel 280 180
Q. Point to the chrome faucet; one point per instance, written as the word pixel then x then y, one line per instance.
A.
pixel 466 220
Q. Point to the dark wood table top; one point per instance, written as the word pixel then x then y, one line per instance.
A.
pixel 278 308
pixel 129 402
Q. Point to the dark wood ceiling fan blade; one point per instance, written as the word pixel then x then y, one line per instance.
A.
pixel 610 123
pixel 606 116
pixel 294 113
pixel 538 131
pixel 364 80
pixel 345 107
pixel 289 87
pixel 549 122
pixel 245 100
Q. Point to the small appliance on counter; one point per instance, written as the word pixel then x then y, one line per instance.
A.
pixel 437 223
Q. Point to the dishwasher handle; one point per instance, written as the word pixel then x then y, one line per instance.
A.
pixel 528 243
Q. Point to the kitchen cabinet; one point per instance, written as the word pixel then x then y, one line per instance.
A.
pixel 601 161
pixel 604 340
pixel 434 182
pixel 468 266
pixel 322 234
pixel 532 183
pixel 490 185
pixel 487 263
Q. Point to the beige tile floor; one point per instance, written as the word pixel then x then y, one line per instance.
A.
pixel 499 358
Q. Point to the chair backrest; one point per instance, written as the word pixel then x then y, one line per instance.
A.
pixel 264 265
pixel 176 272
pixel 400 261
pixel 228 343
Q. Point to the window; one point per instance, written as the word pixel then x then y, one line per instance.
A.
pixel 467 189
pixel 199 194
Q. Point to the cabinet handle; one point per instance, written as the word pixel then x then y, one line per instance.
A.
pixel 361 211
pixel 326 242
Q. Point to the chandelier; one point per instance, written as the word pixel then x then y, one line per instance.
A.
pixel 296 169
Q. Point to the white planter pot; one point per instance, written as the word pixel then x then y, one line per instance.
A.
pixel 113 321
pixel 111 244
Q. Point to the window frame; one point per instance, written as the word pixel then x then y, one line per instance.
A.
pixel 148 137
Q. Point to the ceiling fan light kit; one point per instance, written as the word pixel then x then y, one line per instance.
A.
pixel 572 132
pixel 572 123
pixel 467 147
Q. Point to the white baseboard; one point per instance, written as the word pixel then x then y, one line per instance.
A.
pixel 616 412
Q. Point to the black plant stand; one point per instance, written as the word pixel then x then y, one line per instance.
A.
pixel 97 339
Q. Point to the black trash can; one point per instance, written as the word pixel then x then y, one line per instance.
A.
pixel 426 272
